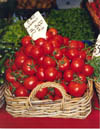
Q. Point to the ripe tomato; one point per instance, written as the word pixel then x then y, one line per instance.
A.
pixel 40 60
pixel 41 93
pixel 36 52
pixel 48 35
pixel 30 82
pixel 9 76
pixel 57 53
pixel 77 65
pixel 58 93
pixel 51 74
pixel 53 31
pixel 88 70
pixel 47 48
pixel 72 53
pixel 63 64
pixel 66 41
pixel 27 50
pixel 56 97
pixel 59 75
pixel 68 75
pixel 81 45
pixel 54 42
pixel 29 66
pixel 40 41
pixel 40 74
pixel 82 54
pixel 59 39
pixel 82 77
pixel 76 89
pixel 13 85
pixel 21 92
pixel 19 60
pixel 73 44
pixel 26 40
pixel 48 62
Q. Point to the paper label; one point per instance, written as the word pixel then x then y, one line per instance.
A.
pixel 96 51
pixel 36 26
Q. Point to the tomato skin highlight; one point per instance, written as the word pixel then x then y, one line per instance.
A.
pixel 77 65
pixel 50 74
pixel 21 92
pixel 76 89
pixel 30 82
pixel 88 70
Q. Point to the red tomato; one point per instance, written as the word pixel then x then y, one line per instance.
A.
pixel 14 67
pixel 40 74
pixel 81 45
pixel 8 75
pixel 73 44
pixel 82 77
pixel 41 93
pixel 68 75
pixel 21 92
pixel 53 31
pixel 58 93
pixel 76 89
pixel 19 60
pixel 40 41
pixel 27 50
pixel 29 66
pixel 72 53
pixel 57 53
pixel 51 74
pixel 47 48
pixel 77 65
pixel 64 51
pixel 59 76
pixel 63 64
pixel 30 82
pixel 66 41
pixel 57 97
pixel 40 60
pixel 13 85
pixel 36 52
pixel 82 54
pixel 88 70
pixel 48 62
pixel 54 42
pixel 48 35
pixel 26 40
pixel 59 39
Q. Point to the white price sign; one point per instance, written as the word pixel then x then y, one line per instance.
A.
pixel 36 26
pixel 96 51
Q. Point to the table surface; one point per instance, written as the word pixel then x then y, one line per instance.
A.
pixel 92 121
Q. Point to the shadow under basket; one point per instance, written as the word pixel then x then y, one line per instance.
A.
pixel 2 100
pixel 97 86
pixel 67 107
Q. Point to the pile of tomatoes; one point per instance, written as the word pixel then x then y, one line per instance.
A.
pixel 55 58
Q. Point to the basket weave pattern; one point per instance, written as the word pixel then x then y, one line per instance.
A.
pixel 93 14
pixel 97 86
pixel 67 107
pixel 2 100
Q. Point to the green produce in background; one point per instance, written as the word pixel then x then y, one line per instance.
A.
pixel 74 23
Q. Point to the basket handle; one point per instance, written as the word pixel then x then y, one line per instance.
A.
pixel 47 85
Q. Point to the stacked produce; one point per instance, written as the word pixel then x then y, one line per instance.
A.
pixel 95 5
pixel 54 59
pixel 37 4
pixel 94 9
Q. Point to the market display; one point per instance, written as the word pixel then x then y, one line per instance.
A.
pixel 52 76
pixel 94 9
pixel 31 4
pixel 50 69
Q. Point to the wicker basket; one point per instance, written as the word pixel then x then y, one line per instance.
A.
pixel 67 107
pixel 93 14
pixel 97 86
pixel 2 100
